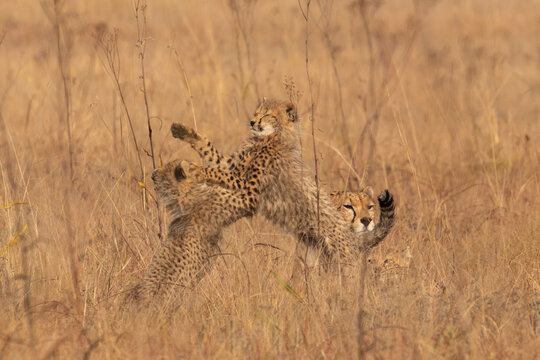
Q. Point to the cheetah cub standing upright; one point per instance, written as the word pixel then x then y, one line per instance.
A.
pixel 199 213
pixel 282 192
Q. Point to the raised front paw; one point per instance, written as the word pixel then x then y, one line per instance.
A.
pixel 194 171
pixel 184 132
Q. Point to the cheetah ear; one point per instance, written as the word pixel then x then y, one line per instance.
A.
pixel 369 190
pixel 337 198
pixel 290 109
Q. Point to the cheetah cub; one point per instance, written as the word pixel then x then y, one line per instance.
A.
pixel 199 212
pixel 360 209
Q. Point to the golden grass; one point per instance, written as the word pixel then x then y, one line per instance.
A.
pixel 453 88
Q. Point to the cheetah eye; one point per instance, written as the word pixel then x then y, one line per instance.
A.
pixel 370 207
pixel 348 207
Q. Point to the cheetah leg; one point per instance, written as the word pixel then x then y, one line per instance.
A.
pixel 181 261
pixel 250 182
pixel 208 152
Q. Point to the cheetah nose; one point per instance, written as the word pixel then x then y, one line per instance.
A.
pixel 252 123
pixel 365 221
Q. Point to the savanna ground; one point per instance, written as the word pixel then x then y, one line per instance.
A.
pixel 436 100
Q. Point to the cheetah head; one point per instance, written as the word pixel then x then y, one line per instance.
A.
pixel 273 117
pixel 359 209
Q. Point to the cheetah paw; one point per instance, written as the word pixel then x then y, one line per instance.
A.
pixel 183 132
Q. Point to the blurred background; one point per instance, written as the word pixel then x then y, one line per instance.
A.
pixel 438 101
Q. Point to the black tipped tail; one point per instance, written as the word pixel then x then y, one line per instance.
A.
pixel 386 203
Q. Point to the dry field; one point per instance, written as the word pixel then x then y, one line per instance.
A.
pixel 439 101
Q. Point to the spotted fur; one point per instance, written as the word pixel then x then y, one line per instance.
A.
pixel 283 192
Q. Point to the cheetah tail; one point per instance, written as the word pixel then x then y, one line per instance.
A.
pixel 387 219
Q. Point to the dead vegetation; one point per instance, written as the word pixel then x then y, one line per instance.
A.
pixel 436 100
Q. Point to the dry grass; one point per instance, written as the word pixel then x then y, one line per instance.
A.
pixel 450 89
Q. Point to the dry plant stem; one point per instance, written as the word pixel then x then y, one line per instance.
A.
pixel 377 99
pixel 365 24
pixel 340 100
pixel 362 286
pixel 124 106
pixel 2 37
pixel 62 59
pixel 188 87
pixel 4 148
pixel 141 44
pixel 237 18
pixel 306 16
pixel 240 20
pixel 331 50
pixel 109 46
pixel 75 278
pixel 240 70
pixel 374 107
pixel 372 133
pixel 26 301
pixel 371 107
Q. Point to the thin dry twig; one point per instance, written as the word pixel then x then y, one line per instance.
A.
pixel 241 262
pixel 63 63
pixel 108 43
pixel 241 18
pixel 332 50
pixel 26 300
pixel 2 36
pixel 188 86
pixel 308 2
pixel 312 105
pixel 140 9
pixel 371 107
pixel 377 96
pixel 362 285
